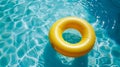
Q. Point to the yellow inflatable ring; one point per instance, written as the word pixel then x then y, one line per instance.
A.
pixel 72 50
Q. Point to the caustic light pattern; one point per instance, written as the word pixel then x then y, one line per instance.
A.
pixel 24 27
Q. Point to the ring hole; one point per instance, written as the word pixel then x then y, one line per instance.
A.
pixel 71 35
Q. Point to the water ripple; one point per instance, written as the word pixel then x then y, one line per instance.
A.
pixel 24 27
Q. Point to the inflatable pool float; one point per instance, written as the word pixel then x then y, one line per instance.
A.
pixel 72 50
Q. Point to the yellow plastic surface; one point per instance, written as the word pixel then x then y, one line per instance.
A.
pixel 72 50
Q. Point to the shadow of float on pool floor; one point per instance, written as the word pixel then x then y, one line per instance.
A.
pixel 51 59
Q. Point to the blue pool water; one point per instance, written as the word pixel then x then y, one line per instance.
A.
pixel 24 27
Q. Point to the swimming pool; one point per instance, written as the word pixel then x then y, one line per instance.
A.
pixel 24 27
